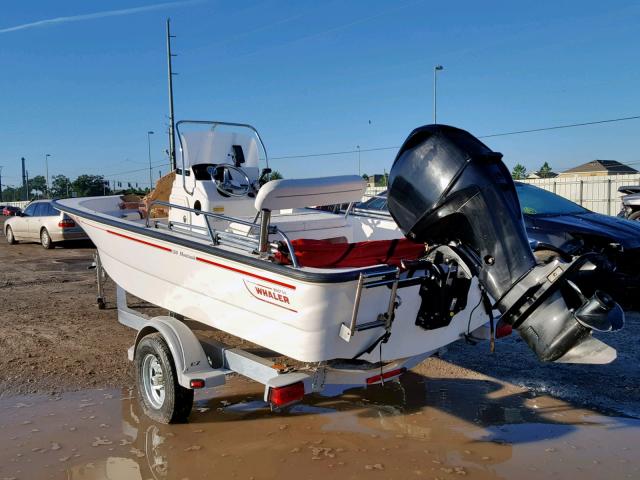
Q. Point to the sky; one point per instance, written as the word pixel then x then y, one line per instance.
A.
pixel 85 81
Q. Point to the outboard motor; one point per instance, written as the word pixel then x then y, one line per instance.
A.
pixel 447 187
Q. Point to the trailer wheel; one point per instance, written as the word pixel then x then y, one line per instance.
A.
pixel 162 398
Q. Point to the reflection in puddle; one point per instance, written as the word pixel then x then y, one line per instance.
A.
pixel 429 428
pixel 113 468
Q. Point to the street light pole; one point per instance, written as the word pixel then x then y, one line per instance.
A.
pixel 46 166
pixel 358 147
pixel 149 133
pixel 436 69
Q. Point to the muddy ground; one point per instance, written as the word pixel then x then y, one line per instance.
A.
pixel 68 410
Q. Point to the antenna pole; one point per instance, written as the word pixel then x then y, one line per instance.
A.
pixel 24 180
pixel 172 136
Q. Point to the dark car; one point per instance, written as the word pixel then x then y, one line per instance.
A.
pixel 630 202
pixel 10 211
pixel 557 226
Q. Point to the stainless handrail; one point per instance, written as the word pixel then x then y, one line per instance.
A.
pixel 363 212
pixel 214 124
pixel 214 236
pixel 220 216
pixel 362 284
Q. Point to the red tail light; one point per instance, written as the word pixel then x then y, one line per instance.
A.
pixel 282 396
pixel 386 375
pixel 197 383
pixel 66 223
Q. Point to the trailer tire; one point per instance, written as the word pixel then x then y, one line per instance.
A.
pixel 166 403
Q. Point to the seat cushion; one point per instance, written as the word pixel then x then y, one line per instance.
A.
pixel 303 220
pixel 325 254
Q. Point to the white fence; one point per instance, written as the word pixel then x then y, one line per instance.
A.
pixel 373 191
pixel 16 204
pixel 599 194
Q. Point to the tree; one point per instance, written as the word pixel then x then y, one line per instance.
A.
pixel 275 175
pixel 519 172
pixel 38 184
pixel 60 186
pixel 11 194
pixel 365 177
pixel 90 186
pixel 545 170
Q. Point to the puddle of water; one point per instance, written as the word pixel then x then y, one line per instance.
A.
pixel 419 428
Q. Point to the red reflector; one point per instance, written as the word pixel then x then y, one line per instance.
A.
pixel 197 383
pixel 281 396
pixel 503 330
pixel 66 223
pixel 385 375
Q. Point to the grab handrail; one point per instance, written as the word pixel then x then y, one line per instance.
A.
pixel 214 124
pixel 213 236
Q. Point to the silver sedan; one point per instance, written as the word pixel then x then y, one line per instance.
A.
pixel 40 222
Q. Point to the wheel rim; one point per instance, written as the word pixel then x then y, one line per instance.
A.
pixel 153 381
pixel 44 237
pixel 9 235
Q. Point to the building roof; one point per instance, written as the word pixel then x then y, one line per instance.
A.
pixel 537 174
pixel 610 167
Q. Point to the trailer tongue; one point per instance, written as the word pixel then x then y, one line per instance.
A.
pixel 446 186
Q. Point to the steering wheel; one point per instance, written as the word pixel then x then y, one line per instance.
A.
pixel 228 185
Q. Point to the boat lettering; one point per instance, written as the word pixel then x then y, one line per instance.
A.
pixel 273 295
pixel 267 292
pixel 186 255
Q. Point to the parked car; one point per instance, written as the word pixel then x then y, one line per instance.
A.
pixel 9 211
pixel 630 202
pixel 40 222
pixel 557 226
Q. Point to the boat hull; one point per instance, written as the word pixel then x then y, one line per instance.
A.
pixel 295 318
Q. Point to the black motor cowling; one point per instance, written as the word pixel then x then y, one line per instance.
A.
pixel 446 185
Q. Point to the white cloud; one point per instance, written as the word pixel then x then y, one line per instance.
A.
pixel 91 16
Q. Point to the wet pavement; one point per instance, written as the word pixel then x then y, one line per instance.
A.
pixel 612 388
pixel 419 428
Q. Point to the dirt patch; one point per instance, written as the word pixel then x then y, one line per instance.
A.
pixel 52 336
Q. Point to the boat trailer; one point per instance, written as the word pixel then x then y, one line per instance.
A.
pixel 172 361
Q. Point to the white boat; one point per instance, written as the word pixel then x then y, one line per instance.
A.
pixel 227 283
pixel 257 260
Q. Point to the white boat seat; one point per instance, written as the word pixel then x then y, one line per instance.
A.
pixel 303 223
pixel 309 192
pixel 304 220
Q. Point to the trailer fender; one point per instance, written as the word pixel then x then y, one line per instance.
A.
pixel 189 358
